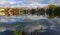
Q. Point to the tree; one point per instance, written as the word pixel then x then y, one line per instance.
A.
pixel 51 10
pixel 11 12
pixel 25 11
pixel 40 11
pixel 57 11
pixel 33 11
pixel 6 10
pixel 16 11
pixel 52 7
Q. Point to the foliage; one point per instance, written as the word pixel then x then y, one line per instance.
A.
pixel 20 32
pixel 50 10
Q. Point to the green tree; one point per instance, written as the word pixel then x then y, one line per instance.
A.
pixel 51 10
pixel 33 11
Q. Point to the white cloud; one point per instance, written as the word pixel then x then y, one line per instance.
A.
pixel 2 2
pixel 29 3
pixel 12 2
pixel 34 4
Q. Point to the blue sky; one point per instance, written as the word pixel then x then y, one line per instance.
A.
pixel 27 2
pixel 40 1
pixel 23 1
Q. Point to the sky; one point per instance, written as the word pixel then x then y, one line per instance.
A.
pixel 14 3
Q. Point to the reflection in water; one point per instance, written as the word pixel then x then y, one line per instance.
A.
pixel 31 24
pixel 12 19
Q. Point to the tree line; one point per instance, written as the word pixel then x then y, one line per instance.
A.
pixel 51 10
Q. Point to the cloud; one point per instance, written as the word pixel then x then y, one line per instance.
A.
pixel 44 1
pixel 2 2
pixel 32 0
pixel 12 2
pixel 27 3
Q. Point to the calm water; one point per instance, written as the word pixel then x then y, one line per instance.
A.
pixel 30 24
